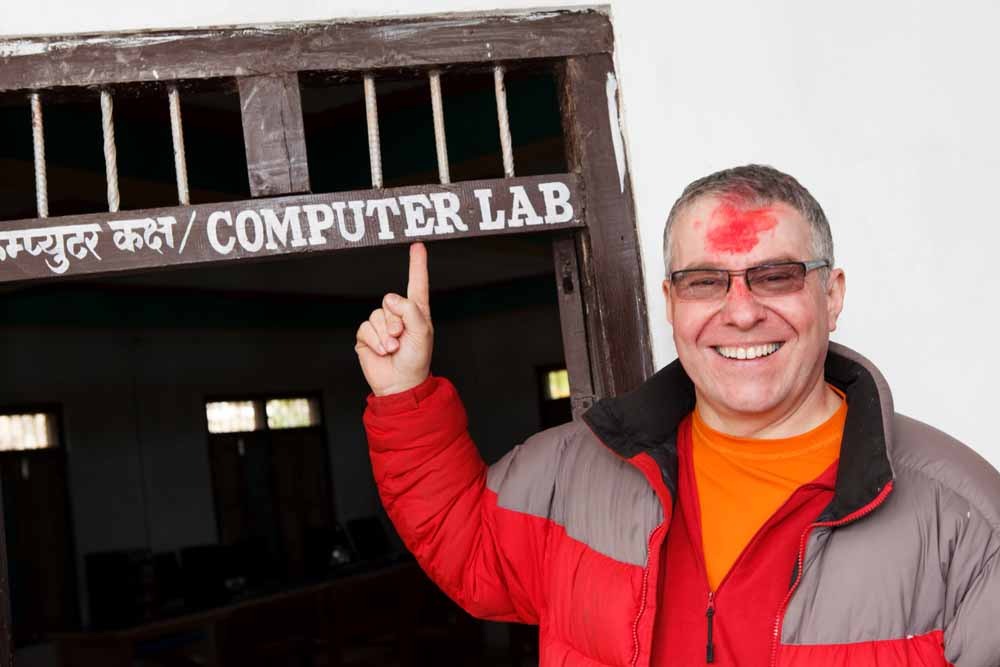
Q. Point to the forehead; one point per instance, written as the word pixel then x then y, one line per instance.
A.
pixel 726 233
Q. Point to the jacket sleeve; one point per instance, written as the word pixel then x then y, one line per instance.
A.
pixel 433 484
pixel 971 638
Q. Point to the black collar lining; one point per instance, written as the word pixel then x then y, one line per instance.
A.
pixel 645 420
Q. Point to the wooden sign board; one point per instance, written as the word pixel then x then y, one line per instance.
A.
pixel 233 231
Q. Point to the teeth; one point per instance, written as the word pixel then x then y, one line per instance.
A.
pixel 751 352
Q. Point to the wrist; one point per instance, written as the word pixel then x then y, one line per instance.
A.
pixel 400 387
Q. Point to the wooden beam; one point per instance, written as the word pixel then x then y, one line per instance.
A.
pixel 573 325
pixel 129 241
pixel 274 135
pixel 75 60
pixel 611 268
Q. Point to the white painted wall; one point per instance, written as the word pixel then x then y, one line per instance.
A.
pixel 887 111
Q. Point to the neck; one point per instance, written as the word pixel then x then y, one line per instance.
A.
pixel 811 410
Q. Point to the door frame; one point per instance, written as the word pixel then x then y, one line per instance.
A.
pixel 596 256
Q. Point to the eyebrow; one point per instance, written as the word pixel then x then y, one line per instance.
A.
pixel 777 259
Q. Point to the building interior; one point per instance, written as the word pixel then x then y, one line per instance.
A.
pixel 184 468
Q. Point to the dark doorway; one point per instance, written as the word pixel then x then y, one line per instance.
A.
pixel 136 356
pixel 39 539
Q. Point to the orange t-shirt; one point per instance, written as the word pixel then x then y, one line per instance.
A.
pixel 743 481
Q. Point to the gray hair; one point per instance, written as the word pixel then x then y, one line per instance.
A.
pixel 756 185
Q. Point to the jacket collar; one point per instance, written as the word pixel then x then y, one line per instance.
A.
pixel 645 421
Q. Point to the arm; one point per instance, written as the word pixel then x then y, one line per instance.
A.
pixel 971 638
pixel 433 484
pixel 430 476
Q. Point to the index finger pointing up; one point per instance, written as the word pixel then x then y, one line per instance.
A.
pixel 418 287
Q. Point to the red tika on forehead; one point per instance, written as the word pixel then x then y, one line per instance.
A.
pixel 737 230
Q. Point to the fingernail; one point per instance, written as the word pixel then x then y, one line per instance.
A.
pixel 393 299
pixel 392 344
pixel 381 349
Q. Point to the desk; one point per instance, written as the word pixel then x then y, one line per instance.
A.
pixel 314 624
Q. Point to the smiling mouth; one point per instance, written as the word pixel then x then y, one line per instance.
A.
pixel 748 352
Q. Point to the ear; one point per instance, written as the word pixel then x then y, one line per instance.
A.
pixel 666 296
pixel 836 286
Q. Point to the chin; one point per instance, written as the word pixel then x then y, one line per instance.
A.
pixel 745 402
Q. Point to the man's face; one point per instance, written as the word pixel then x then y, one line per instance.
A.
pixel 722 234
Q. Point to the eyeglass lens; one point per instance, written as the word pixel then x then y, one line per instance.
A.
pixel 704 284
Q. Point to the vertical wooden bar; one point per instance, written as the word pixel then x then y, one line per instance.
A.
pixel 503 120
pixel 440 139
pixel 573 324
pixel 374 146
pixel 177 134
pixel 110 151
pixel 38 142
pixel 274 134
pixel 610 266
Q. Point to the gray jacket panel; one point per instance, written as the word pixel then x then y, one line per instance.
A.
pixel 925 560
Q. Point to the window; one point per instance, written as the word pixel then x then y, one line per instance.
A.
pixel 19 432
pixel 557 384
pixel 260 414
pixel 291 413
pixel 554 396
pixel 231 416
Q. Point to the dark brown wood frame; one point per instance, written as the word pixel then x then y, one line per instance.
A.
pixel 598 269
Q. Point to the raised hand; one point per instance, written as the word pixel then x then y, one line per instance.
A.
pixel 394 345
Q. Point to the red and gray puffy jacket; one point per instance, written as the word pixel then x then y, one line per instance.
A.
pixel 586 530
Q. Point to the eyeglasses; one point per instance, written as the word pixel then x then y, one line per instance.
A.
pixel 764 280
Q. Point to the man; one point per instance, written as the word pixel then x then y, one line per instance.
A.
pixel 758 502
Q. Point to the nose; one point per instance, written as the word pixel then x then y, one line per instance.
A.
pixel 741 308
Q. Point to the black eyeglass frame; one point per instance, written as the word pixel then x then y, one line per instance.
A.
pixel 807 266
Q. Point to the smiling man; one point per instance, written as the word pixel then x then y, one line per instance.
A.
pixel 758 502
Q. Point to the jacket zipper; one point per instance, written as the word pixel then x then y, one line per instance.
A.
pixel 709 614
pixel 642 600
pixel 710 611
pixel 854 516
